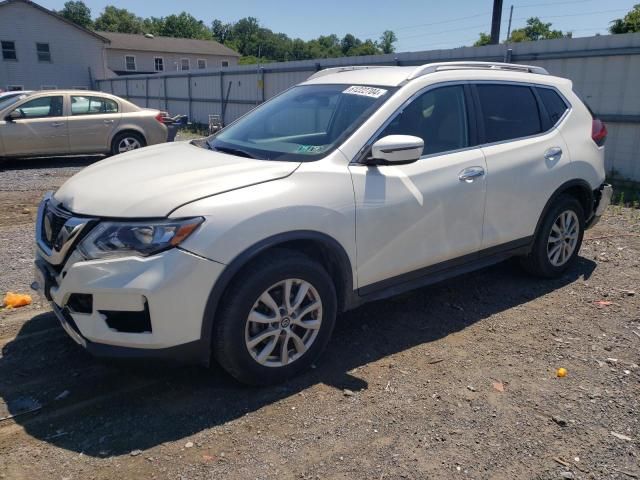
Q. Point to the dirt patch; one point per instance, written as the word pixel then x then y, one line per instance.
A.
pixel 455 380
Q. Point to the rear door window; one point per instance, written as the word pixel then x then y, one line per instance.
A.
pixel 553 104
pixel 508 112
pixel 84 105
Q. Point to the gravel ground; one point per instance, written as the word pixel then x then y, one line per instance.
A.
pixel 452 381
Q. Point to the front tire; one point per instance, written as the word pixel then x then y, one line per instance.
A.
pixel 558 241
pixel 276 319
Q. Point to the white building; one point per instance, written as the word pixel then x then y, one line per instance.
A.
pixel 42 50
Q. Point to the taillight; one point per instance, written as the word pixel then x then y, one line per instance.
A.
pixel 161 116
pixel 598 131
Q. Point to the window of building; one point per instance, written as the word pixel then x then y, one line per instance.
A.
pixel 44 54
pixel 202 64
pixel 130 62
pixel 9 50
pixel 437 116
pixel 85 105
pixel 553 104
pixel 159 64
pixel 508 112
pixel 42 107
pixel 15 88
pixel 225 63
pixel 184 64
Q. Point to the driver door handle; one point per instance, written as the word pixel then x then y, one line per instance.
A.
pixel 57 124
pixel 468 175
pixel 108 121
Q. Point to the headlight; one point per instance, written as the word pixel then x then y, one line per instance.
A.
pixel 117 239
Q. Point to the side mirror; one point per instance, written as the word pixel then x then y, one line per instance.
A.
pixel 15 115
pixel 396 150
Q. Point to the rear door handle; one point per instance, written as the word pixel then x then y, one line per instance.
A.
pixel 57 124
pixel 553 154
pixel 468 175
pixel 108 121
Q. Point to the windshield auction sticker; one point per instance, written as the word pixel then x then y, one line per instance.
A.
pixel 372 92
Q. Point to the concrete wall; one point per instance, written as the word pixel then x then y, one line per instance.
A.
pixel 77 57
pixel 605 71
pixel 145 61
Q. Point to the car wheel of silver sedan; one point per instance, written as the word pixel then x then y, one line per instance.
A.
pixel 276 318
pixel 126 142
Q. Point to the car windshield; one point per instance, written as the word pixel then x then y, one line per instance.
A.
pixel 304 123
pixel 6 102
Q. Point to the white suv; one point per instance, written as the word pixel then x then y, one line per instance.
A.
pixel 358 184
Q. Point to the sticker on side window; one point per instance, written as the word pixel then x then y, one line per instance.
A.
pixel 372 92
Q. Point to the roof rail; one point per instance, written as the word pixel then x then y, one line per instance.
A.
pixel 438 67
pixel 346 68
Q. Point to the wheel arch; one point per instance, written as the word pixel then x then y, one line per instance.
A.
pixel 128 129
pixel 319 246
pixel 577 188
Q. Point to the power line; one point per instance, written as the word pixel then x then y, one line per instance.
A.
pixel 524 5
pixel 515 19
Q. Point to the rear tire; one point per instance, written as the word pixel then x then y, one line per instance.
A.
pixel 558 241
pixel 127 141
pixel 277 317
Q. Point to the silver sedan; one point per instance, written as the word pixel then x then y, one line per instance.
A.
pixel 66 122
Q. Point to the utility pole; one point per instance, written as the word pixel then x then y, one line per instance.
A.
pixel 508 51
pixel 495 22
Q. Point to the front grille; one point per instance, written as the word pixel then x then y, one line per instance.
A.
pixel 53 222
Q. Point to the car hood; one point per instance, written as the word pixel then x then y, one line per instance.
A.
pixel 153 181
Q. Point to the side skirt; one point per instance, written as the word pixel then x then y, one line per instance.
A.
pixel 443 270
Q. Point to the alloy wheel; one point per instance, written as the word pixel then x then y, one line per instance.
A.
pixel 127 144
pixel 563 238
pixel 283 323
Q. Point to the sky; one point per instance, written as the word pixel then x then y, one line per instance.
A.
pixel 419 24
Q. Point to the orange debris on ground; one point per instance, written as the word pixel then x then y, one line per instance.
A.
pixel 15 300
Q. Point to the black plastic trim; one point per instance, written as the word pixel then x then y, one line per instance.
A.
pixel 443 270
pixel 347 293
pixel 559 191
pixel 187 353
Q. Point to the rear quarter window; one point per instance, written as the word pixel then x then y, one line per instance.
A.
pixel 553 104
pixel 508 112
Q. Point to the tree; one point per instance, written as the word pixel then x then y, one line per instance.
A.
pixel 120 20
pixel 485 39
pixel 221 31
pixel 77 12
pixel 387 40
pixel 348 43
pixel 536 30
pixel 185 25
pixel 630 22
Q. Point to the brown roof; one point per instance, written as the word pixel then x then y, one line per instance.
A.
pixel 54 14
pixel 129 41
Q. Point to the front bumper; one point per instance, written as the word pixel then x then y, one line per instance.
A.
pixel 602 198
pixel 170 288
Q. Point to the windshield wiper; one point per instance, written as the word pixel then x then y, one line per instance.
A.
pixel 233 151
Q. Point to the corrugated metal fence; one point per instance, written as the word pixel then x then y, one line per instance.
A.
pixel 605 71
